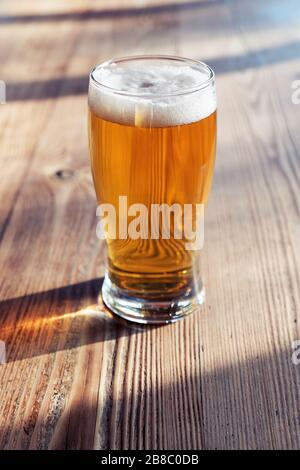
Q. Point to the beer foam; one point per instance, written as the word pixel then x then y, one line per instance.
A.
pixel 158 96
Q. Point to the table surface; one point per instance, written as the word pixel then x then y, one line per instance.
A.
pixel 73 377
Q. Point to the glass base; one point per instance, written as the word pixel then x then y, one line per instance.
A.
pixel 150 311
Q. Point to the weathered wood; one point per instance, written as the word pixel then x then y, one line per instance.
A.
pixel 75 377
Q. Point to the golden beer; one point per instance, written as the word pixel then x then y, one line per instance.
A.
pixel 134 155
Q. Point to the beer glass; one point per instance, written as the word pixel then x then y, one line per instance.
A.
pixel 152 139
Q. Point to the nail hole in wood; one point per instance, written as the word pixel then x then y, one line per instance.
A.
pixel 64 174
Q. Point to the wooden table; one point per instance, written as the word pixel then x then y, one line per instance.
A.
pixel 72 376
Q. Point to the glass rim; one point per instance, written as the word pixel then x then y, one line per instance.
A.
pixel 185 91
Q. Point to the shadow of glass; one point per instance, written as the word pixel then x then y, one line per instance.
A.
pixel 58 319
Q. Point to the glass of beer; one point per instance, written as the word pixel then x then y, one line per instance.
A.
pixel 152 139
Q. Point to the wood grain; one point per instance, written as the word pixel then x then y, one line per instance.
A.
pixel 75 377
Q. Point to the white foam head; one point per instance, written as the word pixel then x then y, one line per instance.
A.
pixel 151 95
